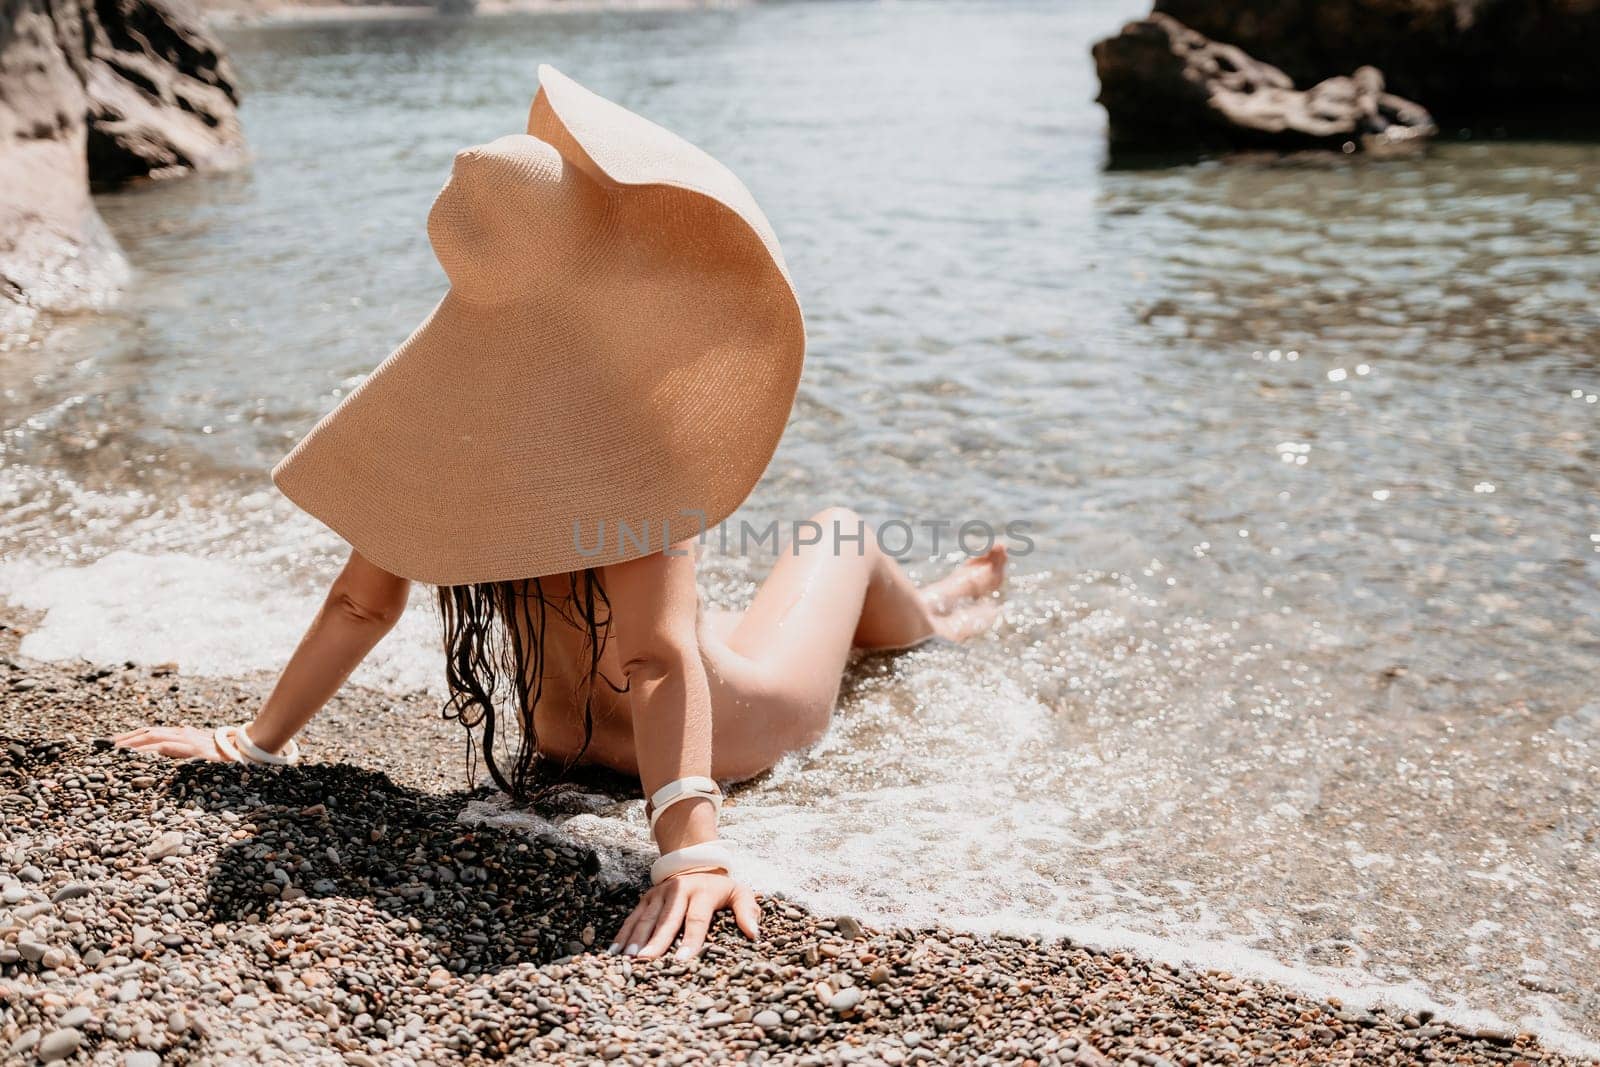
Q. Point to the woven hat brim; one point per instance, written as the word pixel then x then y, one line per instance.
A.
pixel 519 441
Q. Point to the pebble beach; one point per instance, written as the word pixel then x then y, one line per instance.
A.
pixel 339 912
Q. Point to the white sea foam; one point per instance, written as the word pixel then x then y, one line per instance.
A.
pixel 211 617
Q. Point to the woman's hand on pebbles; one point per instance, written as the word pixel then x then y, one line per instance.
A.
pixel 685 902
pixel 179 742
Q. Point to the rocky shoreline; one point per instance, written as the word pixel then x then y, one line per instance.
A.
pixel 182 913
pixel 93 96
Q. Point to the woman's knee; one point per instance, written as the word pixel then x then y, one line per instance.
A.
pixel 842 531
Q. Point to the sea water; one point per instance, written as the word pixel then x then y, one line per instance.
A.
pixel 1300 677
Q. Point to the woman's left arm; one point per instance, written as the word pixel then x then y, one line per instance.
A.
pixel 362 605
pixel 671 703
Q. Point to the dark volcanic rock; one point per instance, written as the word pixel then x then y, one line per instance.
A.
pixel 1165 86
pixel 1466 59
pixel 96 92
pixel 162 95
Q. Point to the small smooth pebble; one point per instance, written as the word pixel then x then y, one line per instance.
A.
pixel 59 1044
pixel 166 845
pixel 846 999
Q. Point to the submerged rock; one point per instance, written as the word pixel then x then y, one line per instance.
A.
pixel 1166 86
pixel 1465 59
pixel 96 92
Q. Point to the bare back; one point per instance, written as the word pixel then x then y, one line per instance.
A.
pixel 759 710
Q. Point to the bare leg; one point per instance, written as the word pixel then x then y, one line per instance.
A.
pixel 793 641
pixel 820 602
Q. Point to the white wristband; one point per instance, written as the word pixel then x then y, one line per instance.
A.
pixel 256 754
pixel 680 790
pixel 712 855
pixel 234 742
pixel 222 737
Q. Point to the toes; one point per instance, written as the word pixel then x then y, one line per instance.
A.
pixel 997 562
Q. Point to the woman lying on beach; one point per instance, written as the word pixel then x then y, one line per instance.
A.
pixel 619 350
pixel 672 691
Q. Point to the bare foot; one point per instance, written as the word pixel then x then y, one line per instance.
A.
pixel 977 577
pixel 969 620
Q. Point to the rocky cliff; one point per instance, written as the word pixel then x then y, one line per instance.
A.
pixel 96 92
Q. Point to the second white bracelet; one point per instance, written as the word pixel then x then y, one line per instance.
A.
pixel 675 792
pixel 256 754
pixel 236 747
pixel 713 855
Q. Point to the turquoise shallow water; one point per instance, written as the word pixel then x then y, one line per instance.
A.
pixel 1300 677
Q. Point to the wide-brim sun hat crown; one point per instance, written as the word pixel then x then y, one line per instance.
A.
pixel 620 345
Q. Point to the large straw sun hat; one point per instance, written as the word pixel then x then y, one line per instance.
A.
pixel 620 346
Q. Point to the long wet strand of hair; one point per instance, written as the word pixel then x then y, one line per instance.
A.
pixel 495 634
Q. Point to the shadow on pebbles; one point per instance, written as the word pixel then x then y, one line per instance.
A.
pixel 156 912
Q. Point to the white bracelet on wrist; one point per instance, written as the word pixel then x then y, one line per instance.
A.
pixel 674 792
pixel 234 743
pixel 710 855
pixel 289 755
pixel 222 736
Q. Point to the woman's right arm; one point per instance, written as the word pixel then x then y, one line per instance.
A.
pixel 362 605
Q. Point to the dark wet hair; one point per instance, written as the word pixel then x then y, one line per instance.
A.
pixel 494 634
